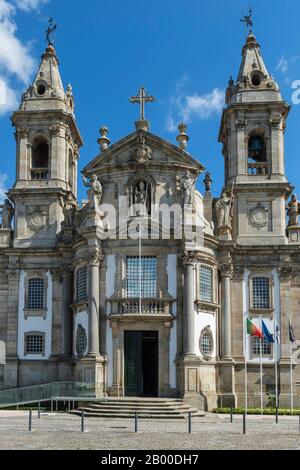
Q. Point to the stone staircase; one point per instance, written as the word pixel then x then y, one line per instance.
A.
pixel 147 408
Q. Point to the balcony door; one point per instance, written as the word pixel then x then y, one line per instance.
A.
pixel 141 363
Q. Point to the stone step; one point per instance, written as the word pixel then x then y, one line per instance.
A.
pixel 137 406
pixel 130 415
pixel 146 408
pixel 140 412
pixel 149 401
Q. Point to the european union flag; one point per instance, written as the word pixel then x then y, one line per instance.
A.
pixel 267 335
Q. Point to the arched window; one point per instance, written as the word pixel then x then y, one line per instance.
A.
pixel 256 149
pixel 257 156
pixel 40 160
pixel 206 343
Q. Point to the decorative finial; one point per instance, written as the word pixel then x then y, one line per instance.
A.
pixel 182 138
pixel 142 98
pixel 231 81
pixel 248 21
pixel 69 90
pixel 208 182
pixel 104 141
pixel 49 32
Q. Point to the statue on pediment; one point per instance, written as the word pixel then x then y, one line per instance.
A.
pixel 95 191
pixel 7 214
pixel 187 185
pixel 69 210
pixel 293 211
pixel 224 210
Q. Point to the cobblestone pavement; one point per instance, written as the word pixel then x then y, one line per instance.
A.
pixel 62 431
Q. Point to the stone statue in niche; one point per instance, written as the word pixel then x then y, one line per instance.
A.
pixel 7 214
pixel 224 210
pixel 69 210
pixel 187 185
pixel 95 192
pixel 142 199
pixel 293 211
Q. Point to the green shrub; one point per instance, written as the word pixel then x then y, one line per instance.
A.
pixel 257 411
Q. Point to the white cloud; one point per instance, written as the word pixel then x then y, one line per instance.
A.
pixel 27 5
pixel 3 189
pixel 186 106
pixel 8 97
pixel 283 65
pixel 203 106
pixel 170 124
pixel 16 61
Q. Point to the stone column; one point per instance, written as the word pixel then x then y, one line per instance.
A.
pixel 226 273
pixel 189 307
pixel 93 309
pixel 67 314
pixel 56 343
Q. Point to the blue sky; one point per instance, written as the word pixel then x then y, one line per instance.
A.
pixel 182 52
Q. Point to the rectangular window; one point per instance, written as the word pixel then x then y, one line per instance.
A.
pixel 266 348
pixel 35 294
pixel 34 344
pixel 144 268
pixel 81 285
pixel 206 284
pixel 261 293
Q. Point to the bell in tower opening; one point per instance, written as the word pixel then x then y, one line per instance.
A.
pixel 256 149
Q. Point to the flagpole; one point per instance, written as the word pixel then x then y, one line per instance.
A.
pixel 261 374
pixel 140 268
pixel 276 361
pixel 246 369
pixel 291 368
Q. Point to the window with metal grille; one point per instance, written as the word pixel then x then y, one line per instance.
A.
pixel 35 294
pixel 81 285
pixel 266 347
pixel 261 293
pixel 34 344
pixel 206 344
pixel 144 269
pixel 206 284
pixel 81 341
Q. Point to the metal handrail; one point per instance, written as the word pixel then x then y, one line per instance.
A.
pixel 46 392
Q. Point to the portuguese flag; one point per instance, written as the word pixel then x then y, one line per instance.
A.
pixel 252 330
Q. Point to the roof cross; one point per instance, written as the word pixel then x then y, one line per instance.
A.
pixel 248 21
pixel 142 98
pixel 51 29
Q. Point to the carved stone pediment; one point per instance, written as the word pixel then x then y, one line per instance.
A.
pixel 143 148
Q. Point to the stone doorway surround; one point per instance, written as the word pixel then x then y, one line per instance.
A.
pixel 161 324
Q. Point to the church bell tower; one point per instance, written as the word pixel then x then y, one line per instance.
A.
pixel 252 133
pixel 48 143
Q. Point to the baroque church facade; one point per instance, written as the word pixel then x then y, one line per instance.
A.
pixel 105 293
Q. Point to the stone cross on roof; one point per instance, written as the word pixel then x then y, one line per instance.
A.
pixel 142 98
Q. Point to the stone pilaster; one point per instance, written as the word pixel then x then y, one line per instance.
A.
pixel 226 273
pixel 189 306
pixel 11 366
pixel 226 368
pixel 67 314
pixel 117 389
pixel 95 257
